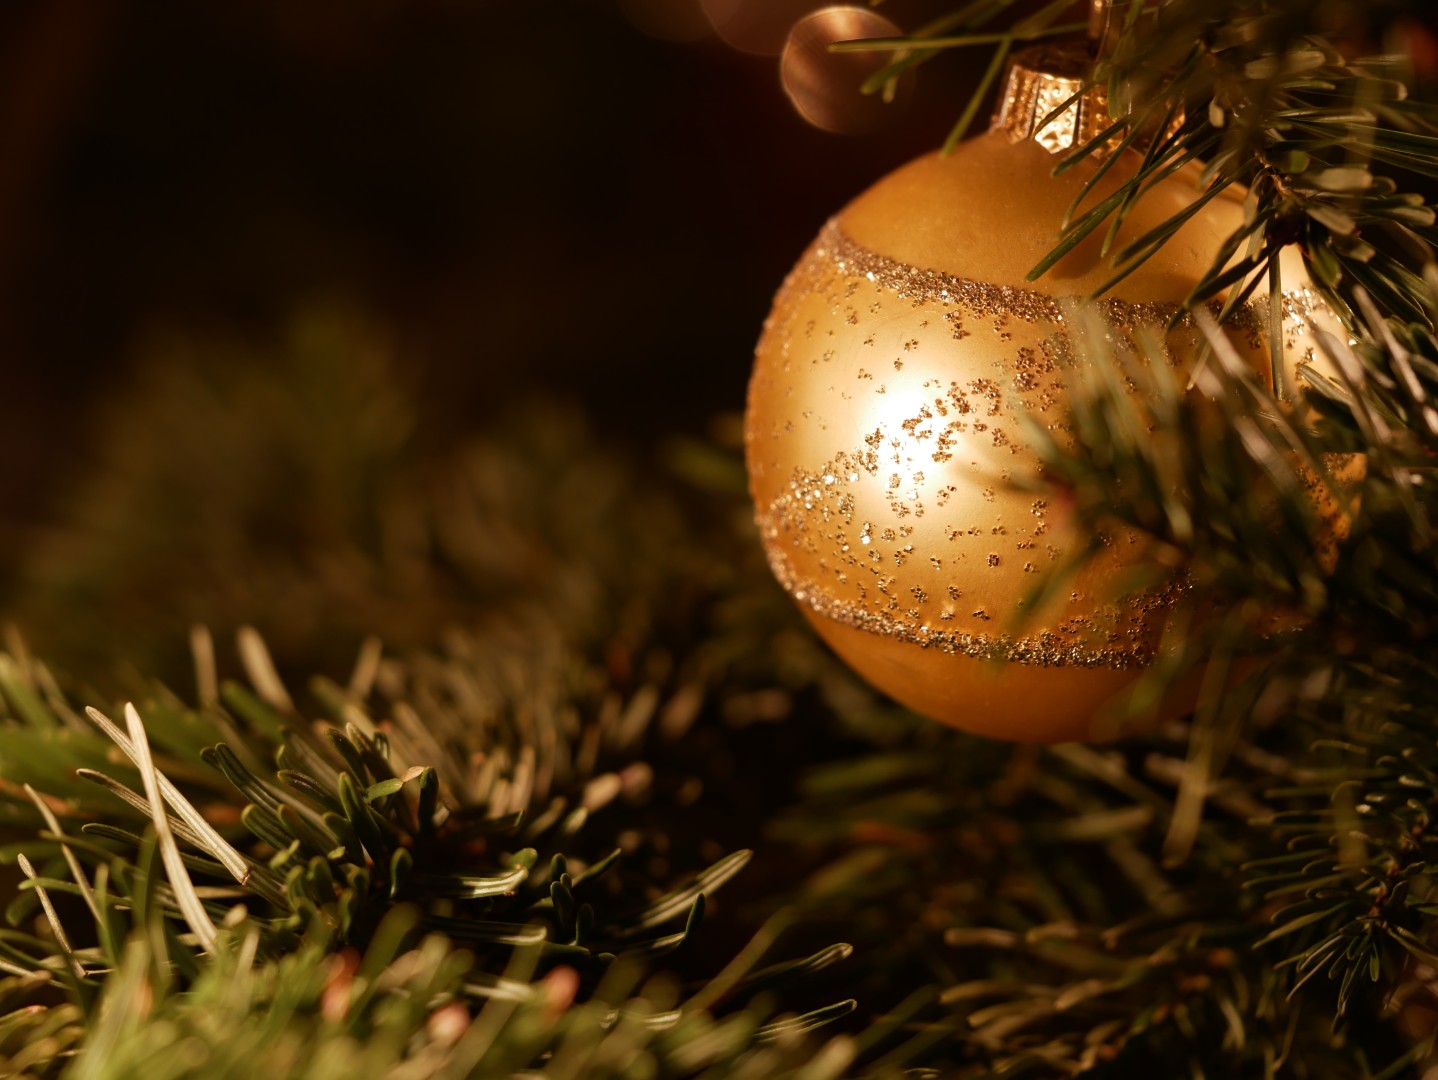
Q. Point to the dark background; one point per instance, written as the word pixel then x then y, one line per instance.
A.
pixel 588 202
pixel 582 202
pixel 545 197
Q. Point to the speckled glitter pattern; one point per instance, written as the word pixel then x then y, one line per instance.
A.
pixel 961 296
pixel 884 437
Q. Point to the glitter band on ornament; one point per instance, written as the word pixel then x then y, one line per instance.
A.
pixel 856 512
pixel 983 299
pixel 1044 649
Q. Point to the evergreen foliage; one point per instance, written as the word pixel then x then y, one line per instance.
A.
pixel 489 849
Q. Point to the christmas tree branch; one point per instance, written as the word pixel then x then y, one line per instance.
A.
pixel 349 847
pixel 1269 98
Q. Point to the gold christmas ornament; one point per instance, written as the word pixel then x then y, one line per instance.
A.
pixel 883 438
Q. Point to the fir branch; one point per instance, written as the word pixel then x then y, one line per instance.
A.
pixel 401 1010
pixel 1272 101
pixel 360 851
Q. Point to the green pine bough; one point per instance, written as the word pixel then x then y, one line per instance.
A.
pixel 253 893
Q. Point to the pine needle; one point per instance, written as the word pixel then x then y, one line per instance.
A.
pixel 209 838
pixel 184 889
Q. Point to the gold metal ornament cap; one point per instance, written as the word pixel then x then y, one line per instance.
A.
pixel 1042 80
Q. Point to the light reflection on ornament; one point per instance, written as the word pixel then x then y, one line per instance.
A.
pixel 824 86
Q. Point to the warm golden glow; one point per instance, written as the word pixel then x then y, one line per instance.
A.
pixel 888 456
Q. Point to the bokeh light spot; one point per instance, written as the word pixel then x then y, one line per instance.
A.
pixel 826 87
